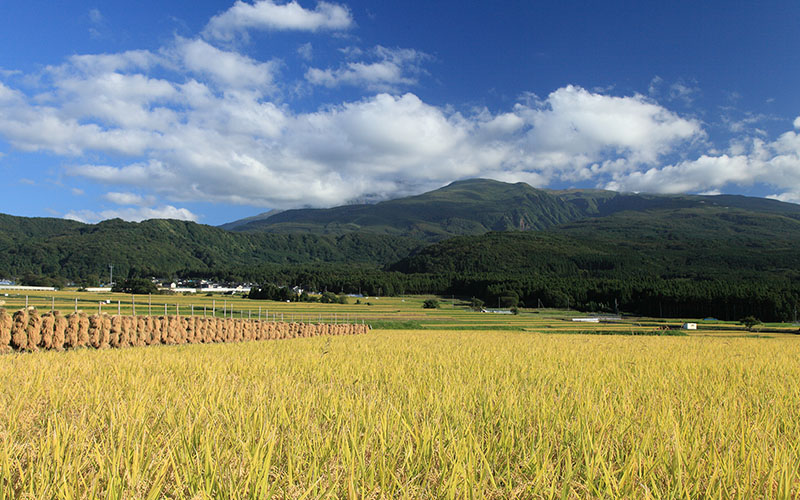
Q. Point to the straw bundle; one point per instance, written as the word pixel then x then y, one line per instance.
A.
pixel 46 332
pixel 19 326
pixel 6 322
pixel 34 330
pixel 83 330
pixel 115 332
pixel 71 334
pixel 59 331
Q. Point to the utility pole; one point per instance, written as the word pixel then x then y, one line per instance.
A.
pixel 111 274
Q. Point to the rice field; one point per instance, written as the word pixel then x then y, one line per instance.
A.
pixel 381 312
pixel 407 414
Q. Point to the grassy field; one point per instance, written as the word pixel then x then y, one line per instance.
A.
pixel 407 414
pixel 381 312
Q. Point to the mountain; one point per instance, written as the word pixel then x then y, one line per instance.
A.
pixel 658 255
pixel 230 226
pixel 160 247
pixel 478 206
pixel 681 243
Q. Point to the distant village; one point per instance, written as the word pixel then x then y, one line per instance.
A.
pixel 164 286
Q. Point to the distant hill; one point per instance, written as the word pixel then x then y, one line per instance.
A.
pixel 230 226
pixel 679 256
pixel 478 206
pixel 700 243
pixel 160 247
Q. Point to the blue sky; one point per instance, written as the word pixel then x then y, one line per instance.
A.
pixel 213 111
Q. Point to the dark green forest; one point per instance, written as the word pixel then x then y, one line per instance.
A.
pixel 507 244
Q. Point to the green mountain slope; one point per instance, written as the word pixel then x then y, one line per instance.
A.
pixel 465 207
pixel 478 206
pixel 161 247
pixel 705 243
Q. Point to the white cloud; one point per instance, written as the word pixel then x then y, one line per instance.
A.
pixel 788 197
pixel 574 127
pixel 129 199
pixel 133 214
pixel 306 51
pixel 394 68
pixel 267 15
pixel 228 69
pixel 748 162
pixel 193 122
pixel 95 16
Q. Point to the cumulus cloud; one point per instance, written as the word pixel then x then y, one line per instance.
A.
pixel 129 199
pixel 195 122
pixel 267 15
pixel 748 162
pixel 210 138
pixel 228 69
pixel 391 69
pixel 134 214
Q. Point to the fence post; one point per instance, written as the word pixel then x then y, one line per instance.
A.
pixel 100 307
pixel 76 304
pixel 177 309
pixel 53 304
pixel 213 307
pixel 165 310
pixel 192 310
pixel 26 302
pixel 119 308
pixel 204 310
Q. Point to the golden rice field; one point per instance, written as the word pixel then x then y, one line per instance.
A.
pixel 407 414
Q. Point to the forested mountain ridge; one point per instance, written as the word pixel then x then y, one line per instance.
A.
pixel 162 247
pixel 477 206
pixel 657 255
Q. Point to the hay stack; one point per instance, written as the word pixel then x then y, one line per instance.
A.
pixel 200 330
pixel 115 332
pixel 219 334
pixel 95 325
pixel 227 330
pixel 105 332
pixel 150 331
pixel 183 329
pixel 270 335
pixel 19 327
pixel 177 333
pixel 59 331
pixel 238 328
pixel 155 331
pixel 194 336
pixel 34 330
pixel 83 330
pixel 142 333
pixel 190 325
pixel 164 329
pixel 128 334
pixel 71 334
pixel 6 322
pixel 46 333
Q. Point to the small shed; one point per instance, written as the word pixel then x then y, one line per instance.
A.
pixel 689 326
